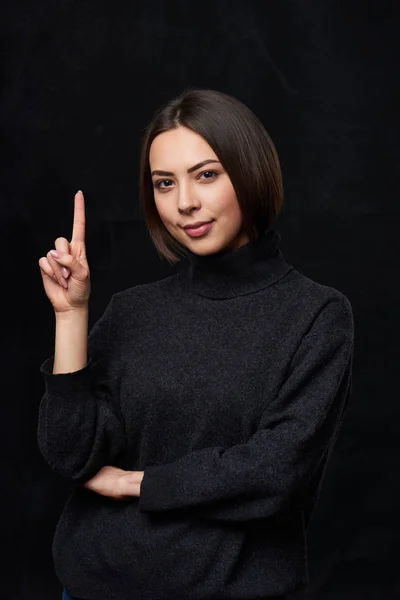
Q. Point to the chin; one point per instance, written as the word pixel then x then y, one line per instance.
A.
pixel 209 246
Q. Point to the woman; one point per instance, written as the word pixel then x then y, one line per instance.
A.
pixel 198 419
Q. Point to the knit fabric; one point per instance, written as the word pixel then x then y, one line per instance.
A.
pixel 226 383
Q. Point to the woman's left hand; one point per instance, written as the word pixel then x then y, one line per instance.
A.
pixel 115 483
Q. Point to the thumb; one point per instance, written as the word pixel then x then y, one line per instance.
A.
pixel 67 260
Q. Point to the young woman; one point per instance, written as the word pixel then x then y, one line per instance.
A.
pixel 197 418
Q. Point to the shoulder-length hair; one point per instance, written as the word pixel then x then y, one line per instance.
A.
pixel 241 144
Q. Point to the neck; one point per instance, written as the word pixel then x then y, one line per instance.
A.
pixel 244 270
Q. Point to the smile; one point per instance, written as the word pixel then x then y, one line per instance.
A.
pixel 199 231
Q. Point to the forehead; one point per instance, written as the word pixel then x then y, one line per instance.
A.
pixel 178 147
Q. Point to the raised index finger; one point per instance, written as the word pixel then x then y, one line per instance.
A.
pixel 78 230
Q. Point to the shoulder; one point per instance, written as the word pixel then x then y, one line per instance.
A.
pixel 317 293
pixel 144 292
pixel 316 306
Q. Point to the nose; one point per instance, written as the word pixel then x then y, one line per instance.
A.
pixel 187 199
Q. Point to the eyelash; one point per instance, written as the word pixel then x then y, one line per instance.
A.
pixel 157 183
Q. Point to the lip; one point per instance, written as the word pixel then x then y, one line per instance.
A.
pixel 197 224
pixel 199 230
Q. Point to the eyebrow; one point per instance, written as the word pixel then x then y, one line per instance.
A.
pixel 194 168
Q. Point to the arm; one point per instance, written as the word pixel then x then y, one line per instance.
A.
pixel 79 427
pixel 70 353
pixel 260 478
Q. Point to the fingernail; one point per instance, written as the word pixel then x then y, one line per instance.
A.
pixel 55 253
pixel 65 272
pixel 63 283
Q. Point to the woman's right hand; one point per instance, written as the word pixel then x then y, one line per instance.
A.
pixel 66 279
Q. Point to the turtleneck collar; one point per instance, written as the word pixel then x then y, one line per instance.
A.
pixel 244 270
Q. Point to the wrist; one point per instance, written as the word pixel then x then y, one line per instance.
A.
pixel 72 314
pixel 130 483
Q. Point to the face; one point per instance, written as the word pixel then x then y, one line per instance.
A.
pixel 190 186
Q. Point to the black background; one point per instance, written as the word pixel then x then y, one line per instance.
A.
pixel 79 82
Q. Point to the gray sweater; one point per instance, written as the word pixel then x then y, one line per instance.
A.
pixel 226 383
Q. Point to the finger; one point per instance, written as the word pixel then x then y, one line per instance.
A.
pixel 47 271
pixel 78 229
pixel 62 244
pixel 46 268
pixel 68 261
pixel 57 271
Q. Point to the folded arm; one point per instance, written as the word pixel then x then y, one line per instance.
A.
pixel 261 477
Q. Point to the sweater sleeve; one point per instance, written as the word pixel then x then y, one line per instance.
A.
pixel 79 428
pixel 262 477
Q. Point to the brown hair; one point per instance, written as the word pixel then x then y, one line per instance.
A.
pixel 243 147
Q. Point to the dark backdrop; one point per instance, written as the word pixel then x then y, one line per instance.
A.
pixel 80 80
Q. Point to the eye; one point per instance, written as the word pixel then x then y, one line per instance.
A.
pixel 158 184
pixel 161 183
pixel 213 173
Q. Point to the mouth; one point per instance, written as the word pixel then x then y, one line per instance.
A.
pixel 199 230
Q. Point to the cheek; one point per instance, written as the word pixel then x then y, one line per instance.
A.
pixel 162 209
pixel 226 201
